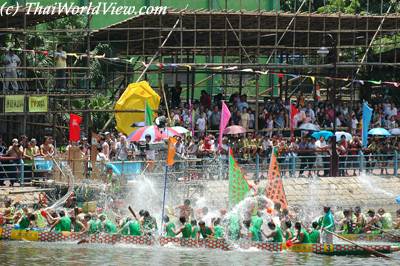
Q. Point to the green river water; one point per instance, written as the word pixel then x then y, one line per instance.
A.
pixel 30 253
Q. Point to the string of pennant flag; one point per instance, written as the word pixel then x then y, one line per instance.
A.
pixel 313 78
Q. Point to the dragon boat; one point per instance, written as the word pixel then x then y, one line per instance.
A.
pixel 8 233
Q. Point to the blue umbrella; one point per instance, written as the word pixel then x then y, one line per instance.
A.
pixel 398 199
pixel 324 133
pixel 379 132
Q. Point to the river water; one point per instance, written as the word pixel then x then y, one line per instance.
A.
pixel 33 253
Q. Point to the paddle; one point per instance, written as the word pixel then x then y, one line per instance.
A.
pixel 370 250
pixel 133 213
pixel 385 231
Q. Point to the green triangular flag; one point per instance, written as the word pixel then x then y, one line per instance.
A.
pixel 238 186
pixel 148 114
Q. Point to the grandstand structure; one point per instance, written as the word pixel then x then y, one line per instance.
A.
pixel 266 54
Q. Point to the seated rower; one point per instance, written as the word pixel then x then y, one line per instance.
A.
pixel 373 222
pixel 107 225
pixel 26 219
pixel 62 224
pixel 289 232
pixel 361 221
pixel 257 222
pixel 385 219
pixel 302 236
pixel 396 224
pixel 347 225
pixel 251 232
pixel 195 230
pixel 169 227
pixel 94 224
pixel 149 223
pixel 205 231
pixel 78 226
pixel 185 229
pixel 314 235
pixel 218 230
pixel 276 234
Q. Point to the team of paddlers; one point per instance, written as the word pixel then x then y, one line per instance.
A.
pixel 281 225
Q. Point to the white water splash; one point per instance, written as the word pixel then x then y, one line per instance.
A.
pixel 368 182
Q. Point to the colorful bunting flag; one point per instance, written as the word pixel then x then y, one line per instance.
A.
pixel 225 117
pixel 75 127
pixel 238 185
pixel 171 151
pixel 274 190
pixel 293 112
pixel 148 114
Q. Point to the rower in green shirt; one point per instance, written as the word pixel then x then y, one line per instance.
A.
pixel 276 234
pixel 169 227
pixel 195 230
pixel 94 225
pixel 218 229
pixel 302 236
pixel 25 221
pixel 328 225
pixel 257 222
pixel 107 225
pixel 63 224
pixel 289 232
pixel 205 231
pixel 315 234
pixel 252 233
pixel 185 229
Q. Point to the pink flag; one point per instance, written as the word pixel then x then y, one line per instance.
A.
pixel 225 117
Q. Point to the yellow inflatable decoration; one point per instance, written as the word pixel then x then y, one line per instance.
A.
pixel 134 98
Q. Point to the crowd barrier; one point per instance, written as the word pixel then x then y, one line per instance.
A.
pixel 214 168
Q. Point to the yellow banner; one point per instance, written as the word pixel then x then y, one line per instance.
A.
pixel 38 104
pixel 24 235
pixel 14 104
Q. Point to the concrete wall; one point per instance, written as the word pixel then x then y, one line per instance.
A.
pixel 368 192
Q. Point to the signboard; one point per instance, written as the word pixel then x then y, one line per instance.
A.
pixel 38 104
pixel 14 104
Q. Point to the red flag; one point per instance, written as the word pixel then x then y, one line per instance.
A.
pixel 74 127
pixel 293 112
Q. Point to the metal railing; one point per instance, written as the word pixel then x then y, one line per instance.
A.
pixel 214 168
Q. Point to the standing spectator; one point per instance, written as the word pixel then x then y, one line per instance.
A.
pixel 29 156
pixel 342 151
pixel 201 124
pixel 354 149
pixel 236 118
pixel 205 100
pixel 303 154
pixel 15 150
pixel 105 148
pixel 215 118
pixel 60 58
pixel 245 119
pixel 11 62
pixel 176 95
pixel 354 124
pixel 311 112
pixel 3 147
pixel 242 103
pixel 122 149
pixel 47 149
pixel 35 147
pixel 252 119
pixel 322 148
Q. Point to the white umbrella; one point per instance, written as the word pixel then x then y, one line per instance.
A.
pixel 309 126
pixel 395 131
pixel 339 134
pixel 180 130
